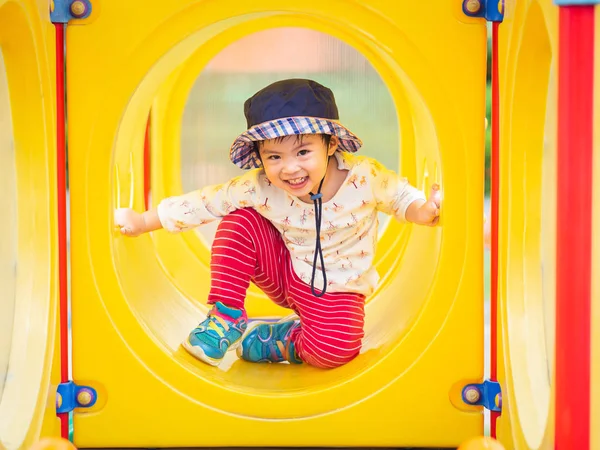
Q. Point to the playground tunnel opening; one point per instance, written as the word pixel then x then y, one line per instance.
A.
pixel 164 279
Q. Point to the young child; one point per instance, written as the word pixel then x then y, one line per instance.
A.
pixel 301 225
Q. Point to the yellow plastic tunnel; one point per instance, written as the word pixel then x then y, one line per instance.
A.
pixel 528 45
pixel 134 300
pixel 28 270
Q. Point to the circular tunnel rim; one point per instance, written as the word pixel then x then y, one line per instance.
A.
pixel 383 361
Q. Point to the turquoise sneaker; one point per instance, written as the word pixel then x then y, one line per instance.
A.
pixel 220 332
pixel 269 342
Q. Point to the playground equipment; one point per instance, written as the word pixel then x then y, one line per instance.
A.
pixel 420 378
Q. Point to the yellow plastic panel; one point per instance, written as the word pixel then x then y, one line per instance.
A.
pixel 595 336
pixel 424 330
pixel 8 234
pixel 527 52
pixel 28 227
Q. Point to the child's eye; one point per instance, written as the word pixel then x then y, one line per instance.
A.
pixel 273 157
pixel 303 152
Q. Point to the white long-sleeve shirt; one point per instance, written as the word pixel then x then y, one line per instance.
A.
pixel 349 219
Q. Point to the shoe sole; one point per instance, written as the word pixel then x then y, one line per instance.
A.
pixel 199 354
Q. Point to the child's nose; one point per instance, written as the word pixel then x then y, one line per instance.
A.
pixel 290 167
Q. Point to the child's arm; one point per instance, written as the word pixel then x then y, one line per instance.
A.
pixel 395 196
pixel 151 220
pixel 131 223
pixel 424 212
pixel 190 210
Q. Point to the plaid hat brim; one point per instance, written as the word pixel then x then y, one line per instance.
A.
pixel 242 152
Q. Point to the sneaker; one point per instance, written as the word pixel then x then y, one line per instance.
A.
pixel 220 332
pixel 269 342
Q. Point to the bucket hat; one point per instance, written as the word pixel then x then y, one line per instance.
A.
pixel 285 108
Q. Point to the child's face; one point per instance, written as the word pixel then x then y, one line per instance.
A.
pixel 297 164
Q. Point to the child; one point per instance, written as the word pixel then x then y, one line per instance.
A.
pixel 302 226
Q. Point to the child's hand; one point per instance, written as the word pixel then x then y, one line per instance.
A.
pixel 129 222
pixel 429 212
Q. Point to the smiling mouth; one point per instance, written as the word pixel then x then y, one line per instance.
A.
pixel 296 181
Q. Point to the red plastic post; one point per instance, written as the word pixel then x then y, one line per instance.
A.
pixel 495 187
pixel 574 226
pixel 61 193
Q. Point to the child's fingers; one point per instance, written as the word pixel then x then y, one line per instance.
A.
pixel 126 231
pixel 434 213
pixel 432 209
pixel 434 195
pixel 434 190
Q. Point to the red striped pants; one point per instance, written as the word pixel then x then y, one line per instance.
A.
pixel 247 247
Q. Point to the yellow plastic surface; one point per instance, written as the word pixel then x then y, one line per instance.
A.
pixel 131 309
pixel 595 337
pixel 528 64
pixel 27 180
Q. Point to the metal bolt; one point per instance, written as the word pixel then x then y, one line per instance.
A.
pixel 473 6
pixel 85 397
pixel 78 8
pixel 472 394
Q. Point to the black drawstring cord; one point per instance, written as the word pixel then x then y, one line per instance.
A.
pixel 318 202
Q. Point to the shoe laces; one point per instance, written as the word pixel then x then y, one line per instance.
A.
pixel 283 344
pixel 213 324
pixel 282 347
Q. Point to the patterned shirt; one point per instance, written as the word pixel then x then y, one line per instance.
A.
pixel 349 220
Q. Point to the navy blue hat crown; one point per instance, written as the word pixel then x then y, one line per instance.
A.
pixel 289 98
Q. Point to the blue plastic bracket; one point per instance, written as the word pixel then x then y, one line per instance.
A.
pixel 62 11
pixel 490 10
pixel 487 394
pixel 70 396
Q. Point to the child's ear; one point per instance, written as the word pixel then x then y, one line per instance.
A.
pixel 333 145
